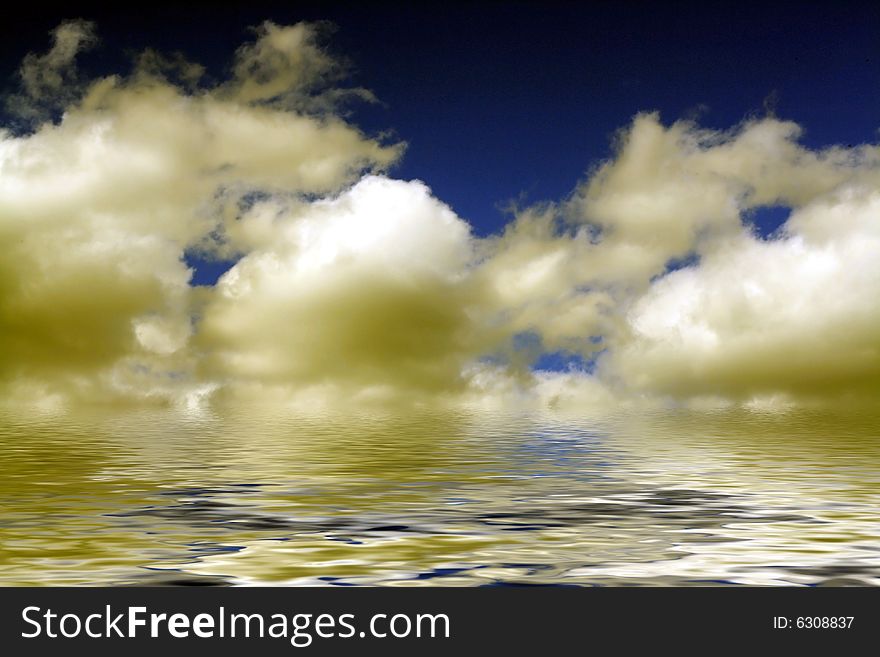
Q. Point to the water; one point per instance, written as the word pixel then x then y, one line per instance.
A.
pixel 456 499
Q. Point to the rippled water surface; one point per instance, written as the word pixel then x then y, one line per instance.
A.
pixel 439 499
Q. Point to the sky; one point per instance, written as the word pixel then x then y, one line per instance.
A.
pixel 507 101
pixel 585 204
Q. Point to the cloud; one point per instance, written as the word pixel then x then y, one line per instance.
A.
pixel 50 81
pixel 796 317
pixel 349 286
pixel 97 211
pixel 793 319
pixel 369 294
pixel 288 67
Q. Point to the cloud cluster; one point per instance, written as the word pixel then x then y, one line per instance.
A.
pixel 350 286
pixel 796 317
pixel 98 209
pixel 792 318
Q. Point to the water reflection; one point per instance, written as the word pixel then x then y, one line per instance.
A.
pixel 157 497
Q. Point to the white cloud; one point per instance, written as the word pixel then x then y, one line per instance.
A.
pixel 799 315
pixel 367 291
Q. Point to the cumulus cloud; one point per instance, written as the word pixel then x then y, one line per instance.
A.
pixel 97 211
pixel 797 316
pixel 367 294
pixel 792 319
pixel 350 286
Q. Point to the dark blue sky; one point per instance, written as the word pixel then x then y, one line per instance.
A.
pixel 503 101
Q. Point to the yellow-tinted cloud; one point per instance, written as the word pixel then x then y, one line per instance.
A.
pixel 97 210
pixel 368 294
pixel 50 81
pixel 353 287
pixel 287 67
pixel 794 319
